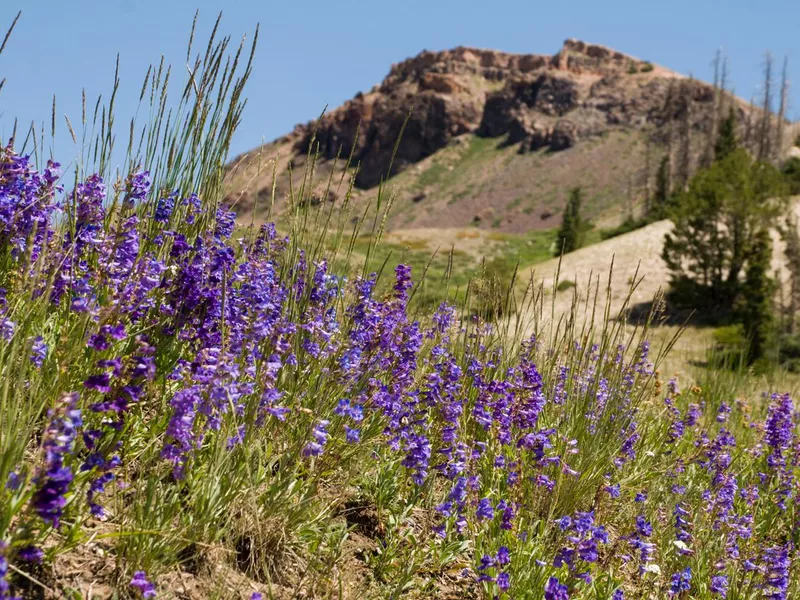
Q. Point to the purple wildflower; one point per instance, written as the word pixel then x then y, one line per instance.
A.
pixel 164 208
pixel 503 581
pixel 719 585
pixel 140 582
pixel 776 577
pixel 320 435
pixel 138 185
pixel 681 582
pixel 38 351
pixel 31 554
pixel 555 590
pixel 59 439
pixel 485 510
pixel 5 588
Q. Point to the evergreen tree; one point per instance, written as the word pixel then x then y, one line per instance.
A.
pixel 791 170
pixel 757 293
pixel 658 208
pixel 571 234
pixel 716 221
pixel 791 235
pixel 683 162
pixel 726 138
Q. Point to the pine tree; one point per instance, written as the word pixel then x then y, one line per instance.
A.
pixel 726 138
pixel 662 194
pixel 645 176
pixel 684 158
pixel 792 251
pixel 757 292
pixel 716 220
pixel 570 236
pixel 669 116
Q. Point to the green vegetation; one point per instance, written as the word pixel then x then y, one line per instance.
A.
pixel 658 209
pixel 758 289
pixel 628 225
pixel 726 142
pixel 573 229
pixel 717 221
pixel 451 168
pixel 791 170
pixel 448 273
pixel 565 284
pixel 191 407
pixel 719 253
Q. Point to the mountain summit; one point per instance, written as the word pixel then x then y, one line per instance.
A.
pixel 496 139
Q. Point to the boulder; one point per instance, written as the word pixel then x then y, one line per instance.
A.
pixel 564 135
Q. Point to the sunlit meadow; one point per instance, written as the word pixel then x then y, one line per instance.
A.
pixel 270 414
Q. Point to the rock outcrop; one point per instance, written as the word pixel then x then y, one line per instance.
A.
pixel 535 101
pixel 495 140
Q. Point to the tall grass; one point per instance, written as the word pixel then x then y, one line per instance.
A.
pixel 185 398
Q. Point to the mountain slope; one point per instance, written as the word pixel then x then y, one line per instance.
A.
pixel 496 140
pixel 634 256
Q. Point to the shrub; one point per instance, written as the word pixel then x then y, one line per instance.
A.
pixel 565 285
pixel 646 67
pixel 730 347
pixel 791 171
pixel 628 225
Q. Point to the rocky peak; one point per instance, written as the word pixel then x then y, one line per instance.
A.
pixel 580 58
pixel 534 100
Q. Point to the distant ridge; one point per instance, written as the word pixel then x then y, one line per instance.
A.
pixel 495 139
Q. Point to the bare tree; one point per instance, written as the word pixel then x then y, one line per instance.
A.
pixel 631 202
pixel 684 158
pixel 749 139
pixel 707 157
pixel 669 111
pixel 782 109
pixel 765 132
pixel 723 86
pixel 648 159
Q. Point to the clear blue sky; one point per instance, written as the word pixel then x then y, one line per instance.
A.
pixel 314 53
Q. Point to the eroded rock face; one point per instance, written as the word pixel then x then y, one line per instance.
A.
pixel 533 100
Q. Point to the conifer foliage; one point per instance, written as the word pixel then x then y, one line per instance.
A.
pixel 726 141
pixel 573 227
pixel 717 221
pixel 757 293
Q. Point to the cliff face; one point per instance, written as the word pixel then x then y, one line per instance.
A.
pixel 494 139
pixel 537 101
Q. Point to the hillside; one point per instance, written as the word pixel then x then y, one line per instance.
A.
pixel 634 256
pixel 495 140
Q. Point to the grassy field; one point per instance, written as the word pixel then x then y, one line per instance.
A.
pixel 195 408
